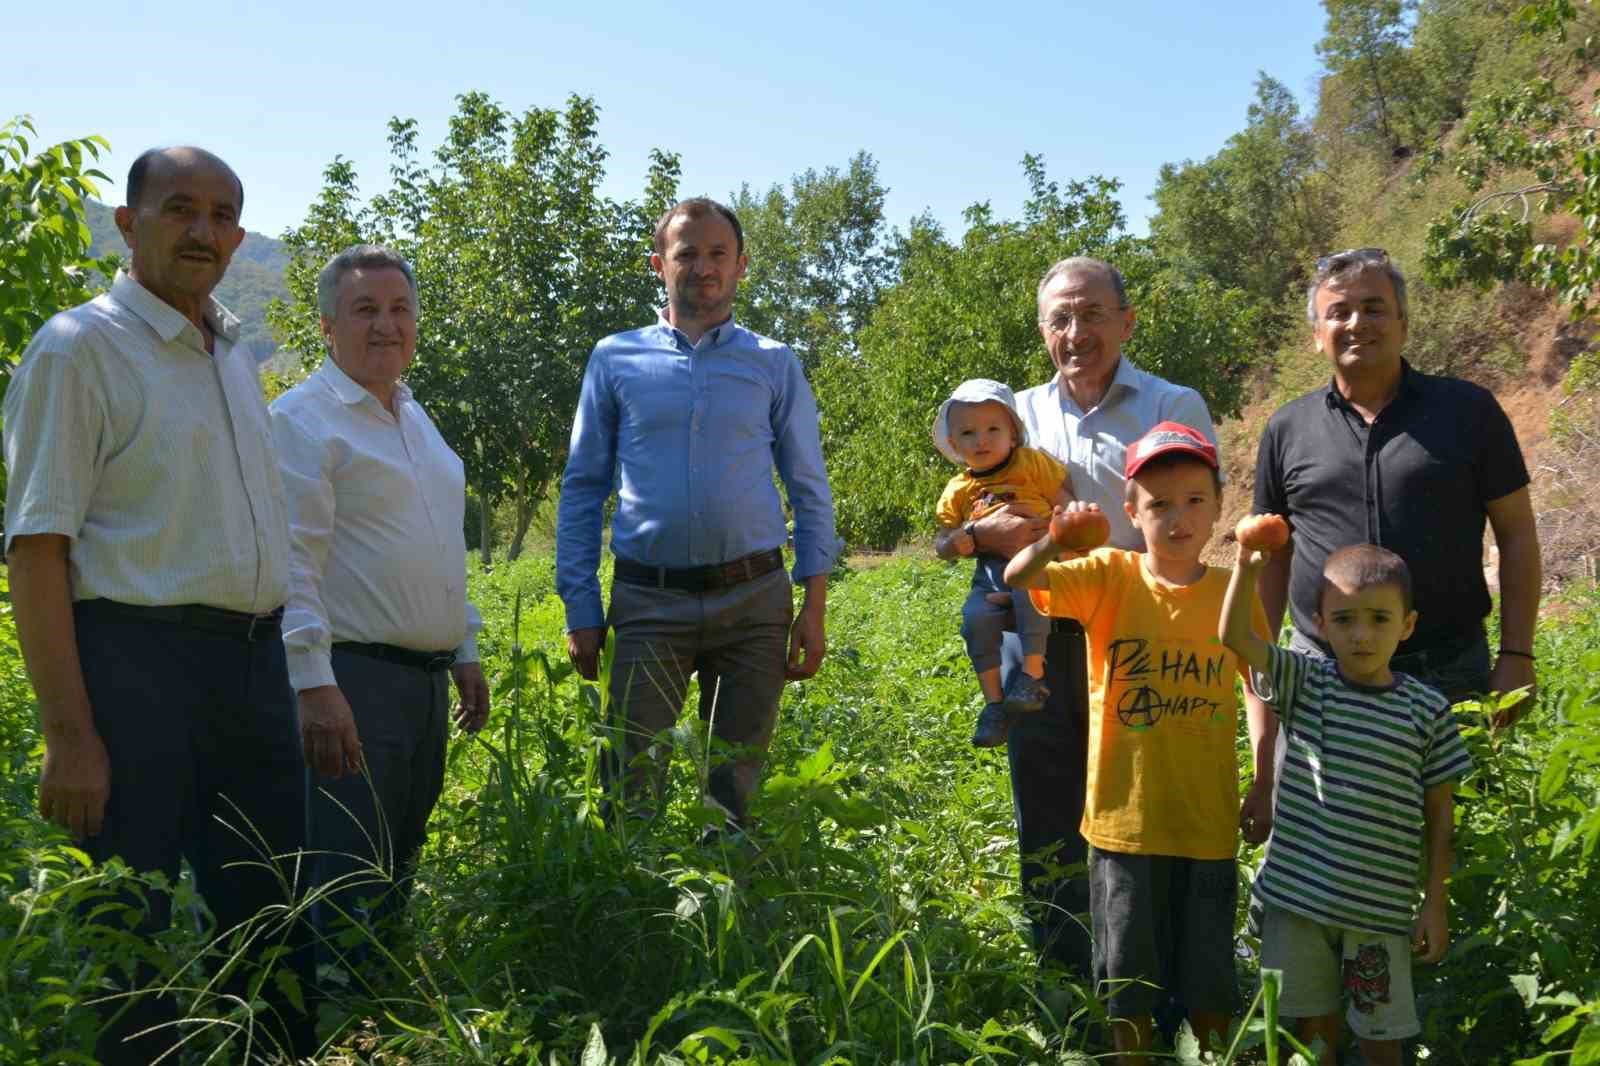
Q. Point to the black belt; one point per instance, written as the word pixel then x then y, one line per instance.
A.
pixel 240 624
pixel 700 578
pixel 431 661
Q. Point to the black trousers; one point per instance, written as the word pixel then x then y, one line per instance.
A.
pixel 200 729
pixel 1049 755
pixel 366 830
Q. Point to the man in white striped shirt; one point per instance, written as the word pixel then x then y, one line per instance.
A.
pixel 377 611
pixel 148 548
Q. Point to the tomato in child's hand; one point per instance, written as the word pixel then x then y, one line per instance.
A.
pixel 1079 530
pixel 1262 532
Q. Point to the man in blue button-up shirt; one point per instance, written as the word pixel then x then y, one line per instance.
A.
pixel 686 420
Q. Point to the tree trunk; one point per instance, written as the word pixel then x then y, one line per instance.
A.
pixel 485 528
pixel 524 515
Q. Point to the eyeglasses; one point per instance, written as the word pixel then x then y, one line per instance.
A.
pixel 1089 317
pixel 1334 262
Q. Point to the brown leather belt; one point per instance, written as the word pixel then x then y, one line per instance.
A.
pixel 240 624
pixel 431 661
pixel 700 578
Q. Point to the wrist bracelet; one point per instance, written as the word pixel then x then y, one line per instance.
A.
pixel 1519 654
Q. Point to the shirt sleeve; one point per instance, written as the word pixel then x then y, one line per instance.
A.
pixel 1048 473
pixel 953 506
pixel 468 651
pixel 1269 494
pixel 1447 758
pixel 1077 587
pixel 1501 467
pixel 303 463
pixel 1283 682
pixel 797 453
pixel 585 486
pixel 56 434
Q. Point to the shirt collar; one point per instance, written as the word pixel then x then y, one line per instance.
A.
pixel 166 320
pixel 1127 377
pixel 710 339
pixel 350 392
pixel 1409 387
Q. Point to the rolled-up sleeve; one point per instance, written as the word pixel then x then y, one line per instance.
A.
pixel 587 482
pixel 56 430
pixel 797 453
pixel 468 650
pixel 303 461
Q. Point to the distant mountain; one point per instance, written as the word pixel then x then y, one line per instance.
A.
pixel 254 277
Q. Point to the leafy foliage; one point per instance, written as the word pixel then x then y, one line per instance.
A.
pixel 818 265
pixel 45 261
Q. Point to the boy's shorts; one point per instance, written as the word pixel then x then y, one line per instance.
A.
pixel 1323 964
pixel 1165 921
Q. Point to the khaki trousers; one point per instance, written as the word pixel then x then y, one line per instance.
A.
pixel 736 640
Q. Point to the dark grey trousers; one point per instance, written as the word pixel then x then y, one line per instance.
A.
pixel 1049 758
pixel 366 830
pixel 200 729
pixel 736 640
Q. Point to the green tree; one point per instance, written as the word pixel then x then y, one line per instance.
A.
pixel 1364 48
pixel 521 266
pixel 45 264
pixel 818 264
pixel 1253 216
pixel 968 309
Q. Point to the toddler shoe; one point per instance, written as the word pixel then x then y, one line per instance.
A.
pixel 993 725
pixel 1025 693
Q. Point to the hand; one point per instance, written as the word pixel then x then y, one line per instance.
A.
pixel 583 648
pixel 1510 673
pixel 75 783
pixel 1006 531
pixel 473 710
pixel 1255 812
pixel 807 644
pixel 1251 559
pixel 1430 933
pixel 961 542
pixel 328 732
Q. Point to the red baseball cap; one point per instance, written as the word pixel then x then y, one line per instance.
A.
pixel 1165 438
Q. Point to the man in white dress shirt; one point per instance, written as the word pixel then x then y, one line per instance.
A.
pixel 378 611
pixel 146 535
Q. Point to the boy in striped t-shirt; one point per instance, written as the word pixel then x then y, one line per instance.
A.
pixel 1364 797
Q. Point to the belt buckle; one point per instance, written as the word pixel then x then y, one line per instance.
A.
pixel 440 662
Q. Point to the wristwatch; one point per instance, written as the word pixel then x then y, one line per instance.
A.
pixel 971 530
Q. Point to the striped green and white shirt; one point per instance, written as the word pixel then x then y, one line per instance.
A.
pixel 1347 838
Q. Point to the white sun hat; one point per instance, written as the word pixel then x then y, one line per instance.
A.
pixel 974 390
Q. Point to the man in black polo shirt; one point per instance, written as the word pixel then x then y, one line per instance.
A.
pixel 1387 455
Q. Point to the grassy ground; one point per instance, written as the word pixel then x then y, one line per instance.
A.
pixel 874 915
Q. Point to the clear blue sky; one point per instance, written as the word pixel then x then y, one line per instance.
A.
pixel 947 96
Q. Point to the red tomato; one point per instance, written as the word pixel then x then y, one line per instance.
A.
pixel 1079 530
pixel 1262 532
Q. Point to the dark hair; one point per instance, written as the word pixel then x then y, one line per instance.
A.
pixel 697 207
pixel 1166 461
pixel 1365 566
pixel 141 169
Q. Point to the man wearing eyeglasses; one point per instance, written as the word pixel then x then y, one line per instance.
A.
pixel 1098 403
pixel 1415 463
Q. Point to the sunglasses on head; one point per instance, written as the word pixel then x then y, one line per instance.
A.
pixel 1334 262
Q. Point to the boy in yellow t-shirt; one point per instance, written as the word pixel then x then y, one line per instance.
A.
pixel 1162 799
pixel 979 428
